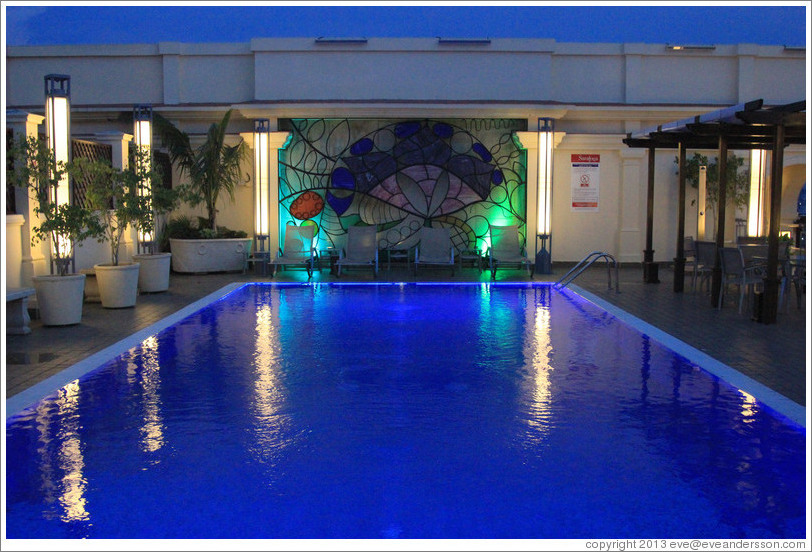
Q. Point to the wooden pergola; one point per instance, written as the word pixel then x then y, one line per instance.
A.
pixel 747 126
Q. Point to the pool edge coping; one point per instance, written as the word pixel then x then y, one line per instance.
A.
pixel 29 397
pixel 773 399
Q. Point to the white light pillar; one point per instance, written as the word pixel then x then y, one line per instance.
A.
pixel 758 177
pixel 57 125
pixel 701 204
pixel 545 195
pixel 142 133
pixel 262 177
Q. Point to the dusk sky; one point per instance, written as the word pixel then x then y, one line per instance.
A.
pixel 26 23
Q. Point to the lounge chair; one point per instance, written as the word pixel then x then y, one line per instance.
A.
pixel 505 249
pixel 298 250
pixel 434 249
pixel 361 249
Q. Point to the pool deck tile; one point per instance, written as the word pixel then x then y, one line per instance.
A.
pixel 775 355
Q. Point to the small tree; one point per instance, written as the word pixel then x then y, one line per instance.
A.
pixel 737 191
pixel 159 199
pixel 213 167
pixel 63 225
pixel 114 194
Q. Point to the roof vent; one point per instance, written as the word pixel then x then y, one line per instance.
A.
pixel 690 47
pixel 479 41
pixel 341 40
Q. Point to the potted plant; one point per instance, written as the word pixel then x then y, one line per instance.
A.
pixel 59 296
pixel 214 169
pixel 153 276
pixel 113 194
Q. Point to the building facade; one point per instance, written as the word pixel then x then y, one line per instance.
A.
pixel 402 133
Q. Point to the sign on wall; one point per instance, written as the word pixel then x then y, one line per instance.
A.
pixel 585 182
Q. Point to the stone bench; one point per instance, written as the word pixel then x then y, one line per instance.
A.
pixel 17 318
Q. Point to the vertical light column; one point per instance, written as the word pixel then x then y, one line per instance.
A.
pixel 57 123
pixel 755 210
pixel 142 132
pixel 545 195
pixel 701 228
pixel 262 192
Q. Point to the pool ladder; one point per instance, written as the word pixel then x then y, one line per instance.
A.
pixel 585 263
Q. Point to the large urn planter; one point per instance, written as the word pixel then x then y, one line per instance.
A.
pixel 153 276
pixel 118 284
pixel 209 255
pixel 59 298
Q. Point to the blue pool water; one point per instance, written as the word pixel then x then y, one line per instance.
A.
pixel 407 411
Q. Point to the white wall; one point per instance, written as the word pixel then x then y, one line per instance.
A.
pixel 596 92
pixel 407 70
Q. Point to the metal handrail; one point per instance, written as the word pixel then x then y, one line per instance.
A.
pixel 585 263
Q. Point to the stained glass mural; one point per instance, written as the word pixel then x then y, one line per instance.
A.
pixel 463 174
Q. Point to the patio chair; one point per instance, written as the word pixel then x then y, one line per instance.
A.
pixel 361 249
pixel 434 249
pixel 734 272
pixel 505 249
pixel 298 250
pixel 689 252
pixel 705 261
pixel 798 277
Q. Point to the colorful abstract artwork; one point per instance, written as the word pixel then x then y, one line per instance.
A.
pixel 463 174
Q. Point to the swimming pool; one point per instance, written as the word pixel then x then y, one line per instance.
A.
pixel 412 411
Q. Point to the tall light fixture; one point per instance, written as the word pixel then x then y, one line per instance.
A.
pixel 755 210
pixel 545 196
pixel 701 201
pixel 142 131
pixel 262 179
pixel 57 121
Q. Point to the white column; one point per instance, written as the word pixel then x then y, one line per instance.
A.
pixel 276 140
pixel 120 142
pixel 14 253
pixel 630 244
pixel 35 259
pixel 530 142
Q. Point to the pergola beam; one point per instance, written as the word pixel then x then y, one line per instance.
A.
pixel 746 126
pixel 771 280
pixel 716 274
pixel 650 268
pixel 679 260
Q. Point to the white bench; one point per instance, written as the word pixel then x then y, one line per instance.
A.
pixel 17 318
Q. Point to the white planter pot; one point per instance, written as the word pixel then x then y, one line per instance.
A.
pixel 154 273
pixel 59 298
pixel 219 255
pixel 118 285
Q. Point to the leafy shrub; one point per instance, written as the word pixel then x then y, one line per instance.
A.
pixel 183 227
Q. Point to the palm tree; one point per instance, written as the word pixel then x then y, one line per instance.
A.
pixel 213 167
